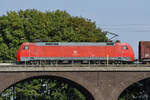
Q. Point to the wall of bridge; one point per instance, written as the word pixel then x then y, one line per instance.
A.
pixel 101 84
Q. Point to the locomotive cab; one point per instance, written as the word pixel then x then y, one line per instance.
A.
pixel 23 53
pixel 126 52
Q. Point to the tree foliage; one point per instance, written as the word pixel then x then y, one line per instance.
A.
pixel 33 25
pixel 43 89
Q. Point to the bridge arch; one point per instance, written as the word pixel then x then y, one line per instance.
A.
pixel 79 79
pixel 127 82
pixel 68 81
pixel 142 82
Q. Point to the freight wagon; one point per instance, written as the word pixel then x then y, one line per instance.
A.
pixel 144 51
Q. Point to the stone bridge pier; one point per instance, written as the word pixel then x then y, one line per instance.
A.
pixel 102 83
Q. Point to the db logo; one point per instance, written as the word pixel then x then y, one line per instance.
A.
pixel 75 52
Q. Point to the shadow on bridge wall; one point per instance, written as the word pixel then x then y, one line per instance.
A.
pixel 83 90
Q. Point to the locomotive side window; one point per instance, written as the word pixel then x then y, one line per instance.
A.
pixel 26 47
pixel 125 47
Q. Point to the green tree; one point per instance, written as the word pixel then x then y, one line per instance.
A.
pixel 56 26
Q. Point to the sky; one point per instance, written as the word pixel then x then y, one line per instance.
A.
pixel 130 19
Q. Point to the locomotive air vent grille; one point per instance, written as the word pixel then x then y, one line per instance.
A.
pixel 51 43
pixel 110 43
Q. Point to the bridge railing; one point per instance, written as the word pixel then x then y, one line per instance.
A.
pixel 7 62
pixel 10 62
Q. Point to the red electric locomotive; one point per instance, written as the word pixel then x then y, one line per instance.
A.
pixel 80 51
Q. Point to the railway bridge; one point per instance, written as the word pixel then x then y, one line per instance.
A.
pixel 103 83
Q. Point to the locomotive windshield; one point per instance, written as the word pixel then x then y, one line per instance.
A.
pixel 125 47
pixel 26 47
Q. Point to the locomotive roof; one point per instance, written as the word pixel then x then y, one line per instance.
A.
pixel 75 43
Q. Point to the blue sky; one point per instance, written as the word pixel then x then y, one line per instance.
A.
pixel 130 19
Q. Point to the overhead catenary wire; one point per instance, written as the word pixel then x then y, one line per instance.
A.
pixel 127 27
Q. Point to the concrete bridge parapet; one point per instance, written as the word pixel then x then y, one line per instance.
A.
pixel 103 83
